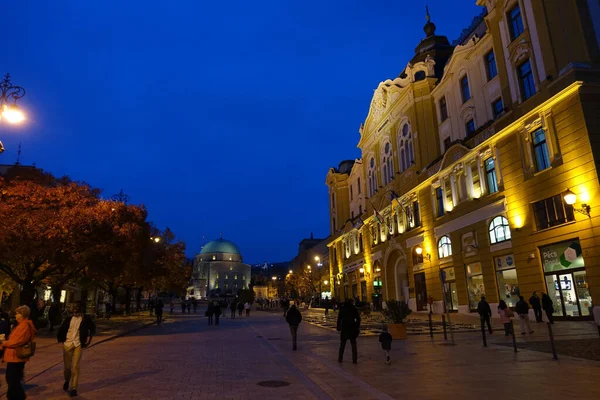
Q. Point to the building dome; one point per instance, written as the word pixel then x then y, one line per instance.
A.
pixel 220 246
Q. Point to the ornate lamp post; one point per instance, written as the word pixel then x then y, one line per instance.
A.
pixel 9 94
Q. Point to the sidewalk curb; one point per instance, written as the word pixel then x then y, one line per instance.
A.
pixel 107 339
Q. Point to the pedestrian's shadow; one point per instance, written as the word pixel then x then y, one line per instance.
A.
pixel 117 380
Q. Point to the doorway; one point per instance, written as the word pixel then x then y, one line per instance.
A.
pixel 421 291
pixel 570 294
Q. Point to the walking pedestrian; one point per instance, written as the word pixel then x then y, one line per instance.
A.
pixel 171 305
pixel 52 314
pixel 210 311
pixel 548 307
pixel 505 313
pixel 159 311
pixel 386 343
pixel 348 324
pixel 326 305
pixel 247 306
pixel 233 307
pixel 485 312
pixel 217 311
pixel 21 335
pixel 536 304
pixel 293 318
pixel 522 309
pixel 75 333
pixel 109 309
pixel 151 307
pixel 240 307
pixel 194 304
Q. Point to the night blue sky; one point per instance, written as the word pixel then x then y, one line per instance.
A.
pixel 218 116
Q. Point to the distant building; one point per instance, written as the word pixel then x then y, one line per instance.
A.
pixel 219 271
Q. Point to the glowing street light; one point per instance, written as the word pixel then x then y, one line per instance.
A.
pixel 291 272
pixel 326 282
pixel 156 239
pixel 10 112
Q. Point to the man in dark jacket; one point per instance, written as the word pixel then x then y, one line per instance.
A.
pixel 348 324
pixel 293 318
pixel 522 308
pixel 536 304
pixel 75 333
pixel 485 312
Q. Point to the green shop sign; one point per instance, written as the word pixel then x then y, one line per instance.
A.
pixel 561 256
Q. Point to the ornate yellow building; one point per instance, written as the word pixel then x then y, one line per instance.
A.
pixel 467 159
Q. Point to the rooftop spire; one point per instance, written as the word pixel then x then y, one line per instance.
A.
pixel 427 17
pixel 429 27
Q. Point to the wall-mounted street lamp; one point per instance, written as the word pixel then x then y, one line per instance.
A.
pixel 291 272
pixel 9 111
pixel 419 251
pixel 571 198
pixel 155 239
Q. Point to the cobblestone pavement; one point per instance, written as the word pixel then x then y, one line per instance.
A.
pixel 189 360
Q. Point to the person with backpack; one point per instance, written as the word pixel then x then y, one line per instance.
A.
pixel 348 324
pixel 75 334
pixel 293 318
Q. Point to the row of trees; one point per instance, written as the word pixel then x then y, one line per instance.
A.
pixel 55 231
pixel 307 283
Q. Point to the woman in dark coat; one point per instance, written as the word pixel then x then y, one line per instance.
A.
pixel 293 318
pixel 348 324
pixel 217 311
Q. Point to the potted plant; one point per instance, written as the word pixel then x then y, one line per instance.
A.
pixel 397 312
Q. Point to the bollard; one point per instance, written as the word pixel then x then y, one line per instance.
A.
pixel 483 332
pixel 512 331
pixel 430 326
pixel 444 325
pixel 554 355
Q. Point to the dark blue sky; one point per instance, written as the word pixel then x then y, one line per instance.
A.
pixel 218 116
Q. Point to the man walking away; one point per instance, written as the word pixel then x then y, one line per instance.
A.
pixel 240 307
pixel 326 305
pixel 172 306
pixel 348 324
pixel 293 318
pixel 210 311
pixel 536 304
pixel 386 343
pixel 522 309
pixel 247 307
pixel 75 333
pixel 159 311
pixel 233 307
pixel 548 307
pixel 217 311
pixel 485 312
pixel 194 304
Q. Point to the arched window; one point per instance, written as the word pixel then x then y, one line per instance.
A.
pixel 419 76
pixel 405 147
pixel 388 165
pixel 372 177
pixel 444 247
pixel 499 230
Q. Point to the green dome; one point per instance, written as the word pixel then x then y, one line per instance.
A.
pixel 220 246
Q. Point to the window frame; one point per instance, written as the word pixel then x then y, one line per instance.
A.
pixel 490 173
pixel 439 202
pixel 493 229
pixel 491 72
pixel 444 245
pixel 527 91
pixel 496 113
pixel 515 19
pixel 470 122
pixel 567 211
pixel 443 109
pixel 543 147
pixel 464 84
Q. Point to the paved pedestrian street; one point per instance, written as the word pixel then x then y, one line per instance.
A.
pixel 252 358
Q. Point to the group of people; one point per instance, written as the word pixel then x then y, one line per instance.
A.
pixel 522 310
pixel 17 347
pixel 215 309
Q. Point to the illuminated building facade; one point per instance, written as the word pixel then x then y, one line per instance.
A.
pixel 467 158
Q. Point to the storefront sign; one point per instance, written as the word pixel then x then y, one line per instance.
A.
pixel 505 262
pixel 561 256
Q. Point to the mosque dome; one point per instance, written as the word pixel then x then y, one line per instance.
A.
pixel 220 246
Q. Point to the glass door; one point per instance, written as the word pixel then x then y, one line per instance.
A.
pixel 421 291
pixel 583 293
pixel 570 294
pixel 554 293
pixel 451 297
pixel 569 297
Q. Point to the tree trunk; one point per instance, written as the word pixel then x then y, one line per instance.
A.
pixel 128 300
pixel 27 293
pixel 113 295
pixel 138 299
pixel 84 296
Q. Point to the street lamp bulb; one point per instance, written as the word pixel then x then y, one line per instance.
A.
pixel 570 197
pixel 317 258
pixel 361 270
pixel 156 239
pixel 274 278
pixel 326 282
pixel 308 266
pixel 13 115
pixel 419 250
pixel 291 272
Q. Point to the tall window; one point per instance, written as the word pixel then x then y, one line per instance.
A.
pixel 552 211
pixel 499 230
pixel 490 175
pixel 358 184
pixel 439 201
pixel 416 216
pixel 351 193
pixel 444 247
pixel 405 147
pixel 497 107
pixel 464 88
pixel 526 80
pixel 515 22
pixel 540 150
pixel 372 177
pixel 388 164
pixel 470 126
pixel 443 109
pixel 490 65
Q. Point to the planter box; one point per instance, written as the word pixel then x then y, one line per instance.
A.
pixel 398 331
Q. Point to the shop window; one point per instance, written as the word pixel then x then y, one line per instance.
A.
pixel 443 109
pixel 417 258
pixel 497 107
pixel 540 150
pixel 526 82
pixel 475 286
pixel 451 290
pixel 464 89
pixel 439 201
pixel 490 65
pixel 416 214
pixel 552 211
pixel 506 275
pixel 499 230
pixel 515 22
pixel 490 175
pixel 444 247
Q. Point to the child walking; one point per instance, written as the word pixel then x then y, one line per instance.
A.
pixel 386 343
